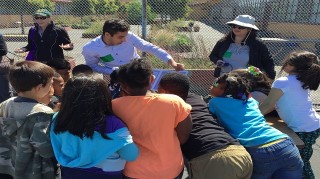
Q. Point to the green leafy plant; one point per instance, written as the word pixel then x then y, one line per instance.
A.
pixel 80 26
pixel 134 11
pixel 182 40
pixel 175 9
pixel 162 37
pixel 66 20
pixel 104 7
pixel 171 40
pixel 95 28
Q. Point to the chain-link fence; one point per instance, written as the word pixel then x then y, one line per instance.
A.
pixel 187 29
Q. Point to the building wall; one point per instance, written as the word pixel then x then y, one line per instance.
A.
pixel 299 30
pixel 201 9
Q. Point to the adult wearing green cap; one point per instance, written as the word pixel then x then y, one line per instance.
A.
pixel 46 41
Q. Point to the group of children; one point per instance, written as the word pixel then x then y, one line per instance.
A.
pixel 143 134
pixel 273 153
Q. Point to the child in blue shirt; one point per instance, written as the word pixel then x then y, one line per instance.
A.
pixel 273 153
pixel 88 140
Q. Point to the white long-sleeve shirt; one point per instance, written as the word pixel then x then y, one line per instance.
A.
pixel 102 57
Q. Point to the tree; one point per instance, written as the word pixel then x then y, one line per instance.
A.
pixel 106 7
pixel 26 7
pixel 174 8
pixel 134 10
pixel 46 4
pixel 83 7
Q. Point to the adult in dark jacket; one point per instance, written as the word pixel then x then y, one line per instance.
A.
pixel 241 48
pixel 46 41
pixel 4 70
pixel 3 47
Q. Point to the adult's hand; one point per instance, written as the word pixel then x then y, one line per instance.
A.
pixel 179 67
pixel 175 65
pixel 67 46
pixel 20 50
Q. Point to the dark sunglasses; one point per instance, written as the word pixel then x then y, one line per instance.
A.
pixel 238 27
pixel 42 17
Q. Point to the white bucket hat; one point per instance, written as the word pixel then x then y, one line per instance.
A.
pixel 244 21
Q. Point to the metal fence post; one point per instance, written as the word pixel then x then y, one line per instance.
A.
pixel 144 23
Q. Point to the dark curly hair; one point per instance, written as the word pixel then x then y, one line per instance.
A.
pixel 255 82
pixel 136 74
pixel 176 83
pixel 306 66
pixel 236 87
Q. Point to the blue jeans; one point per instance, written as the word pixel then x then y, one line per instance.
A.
pixel 72 173
pixel 278 161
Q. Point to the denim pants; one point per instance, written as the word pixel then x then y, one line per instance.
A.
pixel 72 173
pixel 278 161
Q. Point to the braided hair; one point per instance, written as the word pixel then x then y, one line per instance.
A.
pixel 235 86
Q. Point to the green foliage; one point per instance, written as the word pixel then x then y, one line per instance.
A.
pixel 162 37
pixel 46 4
pixel 66 21
pixel 95 28
pixel 106 7
pixel 122 8
pixel 170 40
pixel 172 25
pixel 174 8
pixel 87 20
pixel 83 7
pixel 134 11
pixel 80 26
pixel 182 40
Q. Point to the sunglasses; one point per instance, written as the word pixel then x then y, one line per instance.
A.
pixel 41 17
pixel 237 27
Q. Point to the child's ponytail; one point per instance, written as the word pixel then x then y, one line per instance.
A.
pixel 311 77
pixel 306 66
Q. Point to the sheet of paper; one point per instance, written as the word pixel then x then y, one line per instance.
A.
pixel 159 73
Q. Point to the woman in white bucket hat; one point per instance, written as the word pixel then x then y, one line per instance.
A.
pixel 241 48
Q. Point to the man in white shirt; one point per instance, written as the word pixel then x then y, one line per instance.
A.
pixel 117 46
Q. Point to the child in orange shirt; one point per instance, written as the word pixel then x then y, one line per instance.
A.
pixel 159 123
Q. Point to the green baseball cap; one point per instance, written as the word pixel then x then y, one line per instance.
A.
pixel 43 12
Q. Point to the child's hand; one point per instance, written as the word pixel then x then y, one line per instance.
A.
pixel 220 63
pixel 57 107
